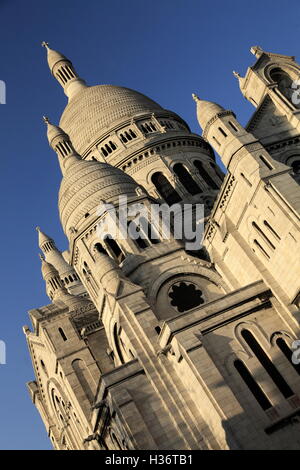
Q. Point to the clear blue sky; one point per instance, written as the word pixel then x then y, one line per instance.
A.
pixel 166 49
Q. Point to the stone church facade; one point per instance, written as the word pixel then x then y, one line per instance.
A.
pixel 147 345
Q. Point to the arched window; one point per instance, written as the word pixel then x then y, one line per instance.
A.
pixel 268 365
pixel 99 247
pixel 284 82
pixel 134 233
pixel 204 175
pixel 252 385
pixel 115 248
pixel 165 189
pixel 186 179
pixel 149 231
pixel 62 334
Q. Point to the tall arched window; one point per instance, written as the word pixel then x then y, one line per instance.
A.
pixel 62 334
pixel 115 248
pixel 165 189
pixel 134 233
pixel 186 179
pixel 204 175
pixel 149 231
pixel 117 344
pixel 268 365
pixel 252 385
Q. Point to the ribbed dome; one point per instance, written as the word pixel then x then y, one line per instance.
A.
pixel 93 109
pixel 85 185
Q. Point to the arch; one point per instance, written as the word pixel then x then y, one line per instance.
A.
pixel 100 248
pixel 186 179
pixel 84 377
pixel 267 364
pixel 204 174
pixel 200 270
pixel 114 248
pixel 134 233
pixel 165 189
pixel 149 231
pixel 284 80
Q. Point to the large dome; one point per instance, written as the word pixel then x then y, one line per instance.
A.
pixel 91 111
pixel 85 185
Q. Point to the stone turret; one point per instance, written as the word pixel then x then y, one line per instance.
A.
pixel 64 72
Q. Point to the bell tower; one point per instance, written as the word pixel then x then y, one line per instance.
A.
pixel 272 86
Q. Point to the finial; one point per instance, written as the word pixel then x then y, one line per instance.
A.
pixel 195 97
pixel 38 229
pixel 41 257
pixel 257 51
pixel 46 120
pixel 236 74
pixel 45 44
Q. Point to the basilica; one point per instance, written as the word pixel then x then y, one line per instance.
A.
pixel 146 344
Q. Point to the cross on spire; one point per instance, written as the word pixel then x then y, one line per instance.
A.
pixel 45 44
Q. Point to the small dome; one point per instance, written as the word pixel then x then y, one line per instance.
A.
pixel 92 110
pixel 206 110
pixel 85 185
pixel 53 131
pixel 47 269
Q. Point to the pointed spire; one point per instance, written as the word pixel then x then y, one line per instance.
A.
pixel 62 145
pixel 44 239
pixel 62 69
pixel 52 255
pixel 206 110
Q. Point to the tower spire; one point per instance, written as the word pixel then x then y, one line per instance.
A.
pixel 62 69
pixel 52 254
pixel 62 145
